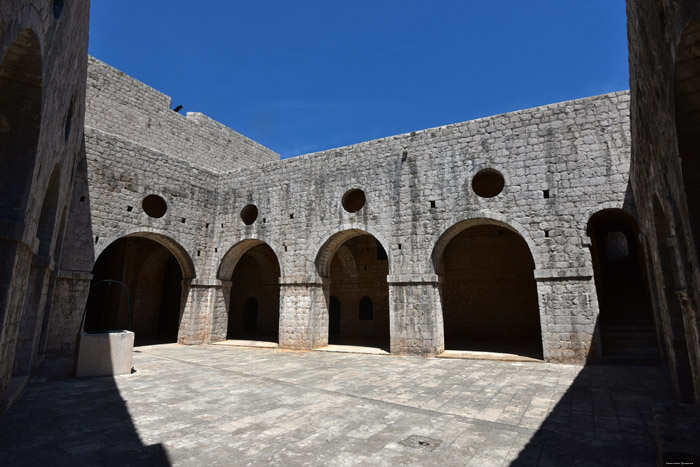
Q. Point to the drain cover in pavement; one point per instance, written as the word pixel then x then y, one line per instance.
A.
pixel 421 442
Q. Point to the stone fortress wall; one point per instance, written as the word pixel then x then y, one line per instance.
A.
pixel 43 66
pixel 664 56
pixel 561 164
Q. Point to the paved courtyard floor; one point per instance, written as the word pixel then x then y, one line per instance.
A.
pixel 231 406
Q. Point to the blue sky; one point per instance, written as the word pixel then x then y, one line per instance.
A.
pixel 303 76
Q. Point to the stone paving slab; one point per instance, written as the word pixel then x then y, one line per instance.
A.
pixel 221 405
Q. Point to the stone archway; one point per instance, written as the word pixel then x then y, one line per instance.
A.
pixel 626 321
pixel 153 274
pixel 668 278
pixel 357 265
pixel 253 270
pixel 488 290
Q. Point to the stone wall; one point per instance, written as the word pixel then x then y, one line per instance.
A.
pixel 664 68
pixel 43 55
pixel 561 163
pixel 126 107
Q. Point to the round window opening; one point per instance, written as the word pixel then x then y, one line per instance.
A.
pixel 488 183
pixel 354 200
pixel 249 214
pixel 154 206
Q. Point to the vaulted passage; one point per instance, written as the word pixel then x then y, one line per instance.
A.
pixel 153 277
pixel 626 321
pixel 489 294
pixel 359 302
pixel 255 295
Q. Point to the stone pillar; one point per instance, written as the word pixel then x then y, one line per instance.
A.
pixel 568 315
pixel 204 316
pixel 415 308
pixel 15 261
pixel 33 309
pixel 70 295
pixel 304 312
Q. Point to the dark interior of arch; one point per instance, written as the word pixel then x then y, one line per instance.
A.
pixel 358 277
pixel 687 103
pixel 154 279
pixel 626 320
pixel 489 295
pixel 20 119
pixel 255 295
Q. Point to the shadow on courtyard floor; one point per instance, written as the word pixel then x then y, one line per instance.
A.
pixel 49 425
pixel 604 418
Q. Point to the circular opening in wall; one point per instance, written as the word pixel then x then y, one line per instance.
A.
pixel 488 183
pixel 354 200
pixel 249 214
pixel 154 206
pixel 57 8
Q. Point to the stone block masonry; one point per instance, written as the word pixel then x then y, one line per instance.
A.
pixel 560 164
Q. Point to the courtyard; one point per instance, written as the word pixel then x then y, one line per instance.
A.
pixel 224 405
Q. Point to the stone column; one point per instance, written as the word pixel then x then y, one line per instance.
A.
pixel 68 306
pixel 568 315
pixel 204 316
pixel 304 312
pixel 15 262
pixel 415 308
pixel 32 315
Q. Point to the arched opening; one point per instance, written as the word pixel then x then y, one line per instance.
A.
pixel 676 344
pixel 687 105
pixel 37 284
pixel 489 294
pixel 253 309
pixel 626 320
pixel 153 276
pixel 20 120
pixel 357 264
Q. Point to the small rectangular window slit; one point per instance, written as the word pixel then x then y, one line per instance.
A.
pixel 129 208
pixel 432 204
pixel 404 156
pixel 206 226
pixel 82 199
pixel 291 216
pixel 545 193
pixel 216 250
pixel 546 233
pixel 97 239
pixel 199 252
pixel 264 220
pixel 399 246
pixel 183 220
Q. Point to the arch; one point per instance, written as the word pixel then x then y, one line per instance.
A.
pixel 37 284
pixel 20 121
pixel 687 116
pixel 178 251
pixel 358 276
pixel 488 289
pixel 493 219
pixel 253 270
pixel 668 279
pixel 334 241
pixel 230 259
pixel 626 320
pixel 153 267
